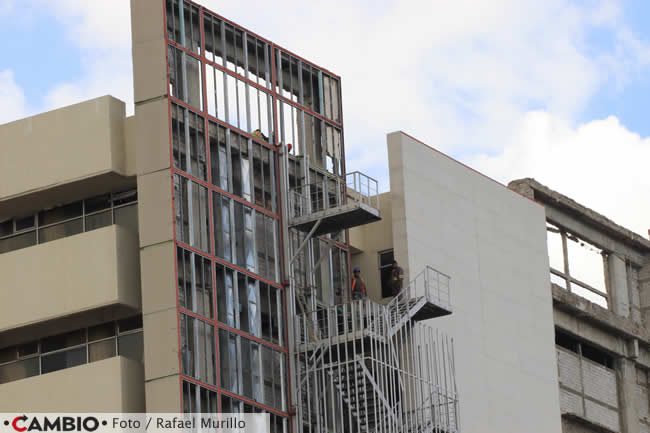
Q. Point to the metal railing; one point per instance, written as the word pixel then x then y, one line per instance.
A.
pixel 404 384
pixel 431 284
pixel 332 192
pixel 362 189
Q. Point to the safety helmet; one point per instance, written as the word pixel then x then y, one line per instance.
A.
pixel 356 270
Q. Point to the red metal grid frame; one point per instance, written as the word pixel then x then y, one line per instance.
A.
pixel 275 96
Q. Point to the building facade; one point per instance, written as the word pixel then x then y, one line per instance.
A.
pixel 492 242
pixel 187 258
pixel 599 282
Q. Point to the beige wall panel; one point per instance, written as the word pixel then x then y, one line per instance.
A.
pixel 111 385
pixel 156 221
pixel 152 136
pixel 161 344
pixel 158 277
pixel 71 275
pixel 163 395
pixel 61 146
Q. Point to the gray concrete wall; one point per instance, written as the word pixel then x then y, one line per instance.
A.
pixel 492 242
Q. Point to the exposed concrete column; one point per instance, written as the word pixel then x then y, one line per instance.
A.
pixel 644 294
pixel 617 272
pixel 626 380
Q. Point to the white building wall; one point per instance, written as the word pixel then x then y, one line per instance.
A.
pixel 492 242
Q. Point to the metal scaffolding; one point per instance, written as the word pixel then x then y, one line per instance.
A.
pixel 369 367
pixel 361 366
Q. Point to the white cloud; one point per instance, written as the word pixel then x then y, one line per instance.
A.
pixel 600 164
pixel 12 96
pixel 457 75
pixel 102 31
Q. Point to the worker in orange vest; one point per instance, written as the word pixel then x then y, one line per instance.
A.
pixel 358 285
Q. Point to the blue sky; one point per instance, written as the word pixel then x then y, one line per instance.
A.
pixel 555 90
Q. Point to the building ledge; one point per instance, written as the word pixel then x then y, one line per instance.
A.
pixel 597 315
pixel 593 426
pixel 543 194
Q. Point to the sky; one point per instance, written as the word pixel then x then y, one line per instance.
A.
pixel 556 90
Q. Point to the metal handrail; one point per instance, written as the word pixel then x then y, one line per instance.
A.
pixel 332 192
pixel 375 318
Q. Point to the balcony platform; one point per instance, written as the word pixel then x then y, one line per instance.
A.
pixel 342 217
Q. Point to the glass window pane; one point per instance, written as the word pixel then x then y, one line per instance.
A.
pixel 28 221
pixel 101 350
pixel 60 231
pixel 195 31
pixel 175 62
pixel 245 169
pixel 194 82
pixel 221 95
pixel 61 360
pixel 17 242
pixel 241 98
pixel 201 223
pixel 57 214
pixel 173 25
pixel 19 370
pixel 179 148
pixel 97 203
pixel 127 217
pixel 99 332
pixel 131 346
pixel 230 47
pixel 265 125
pixel 130 324
pixel 62 341
pixel 197 146
pixel 181 209
pixel 239 46
pixel 228 361
pixel 210 90
pixel 8 354
pixel 28 349
pixel 6 227
pixel 99 220
pixel 208 37
pixel 254 109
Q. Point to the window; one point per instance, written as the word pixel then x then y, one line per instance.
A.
pixel 385 270
pixel 189 15
pixel 197 349
pixel 197 399
pixel 191 205
pixel 58 352
pixel 194 282
pixel 248 304
pixel 185 81
pixel 191 128
pixel 252 370
pixel 577 265
pixel 70 219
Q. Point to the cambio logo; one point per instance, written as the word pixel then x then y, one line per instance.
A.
pixel 59 423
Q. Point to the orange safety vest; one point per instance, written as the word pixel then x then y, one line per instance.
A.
pixel 363 284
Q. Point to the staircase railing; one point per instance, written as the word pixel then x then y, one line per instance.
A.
pixel 430 283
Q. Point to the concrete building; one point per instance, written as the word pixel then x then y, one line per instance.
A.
pixel 197 257
pixel 492 242
pixel 599 283
pixel 186 258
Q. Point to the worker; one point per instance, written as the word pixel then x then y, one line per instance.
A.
pixel 397 278
pixel 259 134
pixel 358 285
